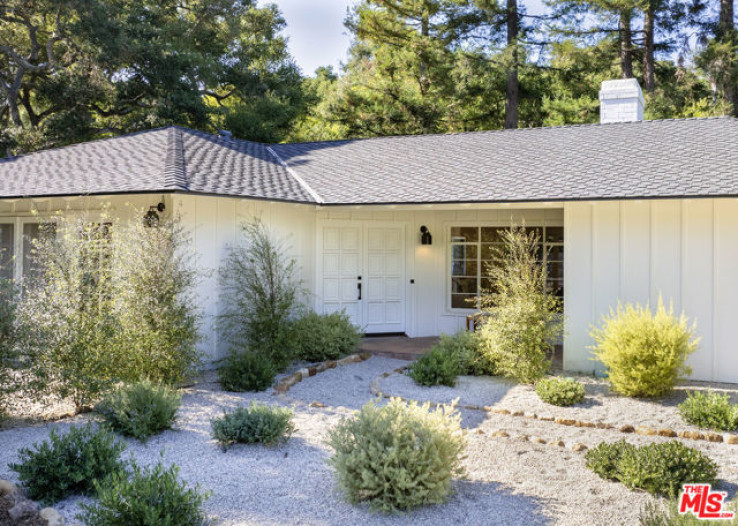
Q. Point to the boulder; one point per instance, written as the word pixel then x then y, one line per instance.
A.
pixel 23 508
pixel 7 488
pixel 52 517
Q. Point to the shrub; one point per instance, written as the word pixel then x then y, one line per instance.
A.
pixel 399 456
pixel 261 292
pixel 246 371
pixel 147 497
pixel 100 308
pixel 710 410
pixel 560 391
pixel 436 367
pixel 257 423
pixel 667 514
pixel 466 346
pixel 644 353
pixel 525 316
pixel 319 337
pixel 140 410
pixel 660 468
pixel 7 336
pixel 68 464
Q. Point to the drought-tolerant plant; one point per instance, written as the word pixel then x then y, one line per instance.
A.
pixel 710 410
pixel 466 347
pixel 644 352
pixel 261 293
pixel 560 391
pixel 524 315
pixel 107 302
pixel 69 463
pixel 152 496
pixel 667 514
pixel 258 423
pixel 140 410
pixel 659 468
pixel 318 337
pixel 436 367
pixel 246 371
pixel 398 456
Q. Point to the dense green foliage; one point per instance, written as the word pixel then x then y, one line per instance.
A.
pixel 145 497
pixel 436 367
pixel 246 371
pixel 107 303
pixel 710 410
pixel 525 317
pixel 318 337
pixel 69 463
pixel 256 424
pixel 261 291
pixel 667 514
pixel 560 391
pixel 92 68
pixel 399 456
pixel 8 305
pixel 140 410
pixel 659 468
pixel 644 353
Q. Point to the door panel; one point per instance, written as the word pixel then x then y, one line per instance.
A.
pixel 377 254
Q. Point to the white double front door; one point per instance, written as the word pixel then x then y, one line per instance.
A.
pixel 361 269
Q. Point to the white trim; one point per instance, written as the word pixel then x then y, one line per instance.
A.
pixel 299 179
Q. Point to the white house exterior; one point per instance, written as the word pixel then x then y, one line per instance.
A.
pixel 631 211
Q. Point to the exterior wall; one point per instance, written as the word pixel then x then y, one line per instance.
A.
pixel 635 251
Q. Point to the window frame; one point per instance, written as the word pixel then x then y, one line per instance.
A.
pixel 448 248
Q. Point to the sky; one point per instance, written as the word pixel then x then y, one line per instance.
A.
pixel 316 33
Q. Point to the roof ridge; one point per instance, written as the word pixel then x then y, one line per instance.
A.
pixel 318 199
pixel 174 163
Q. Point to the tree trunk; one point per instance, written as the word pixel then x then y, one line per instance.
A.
pixel 626 44
pixel 512 90
pixel 727 13
pixel 425 33
pixel 727 32
pixel 648 58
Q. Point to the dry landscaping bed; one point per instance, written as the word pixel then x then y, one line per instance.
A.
pixel 515 479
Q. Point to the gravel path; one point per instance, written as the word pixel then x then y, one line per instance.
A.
pixel 509 481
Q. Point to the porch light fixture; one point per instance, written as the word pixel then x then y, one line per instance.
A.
pixel 425 236
pixel 151 219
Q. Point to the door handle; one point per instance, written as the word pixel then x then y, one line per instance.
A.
pixel 358 286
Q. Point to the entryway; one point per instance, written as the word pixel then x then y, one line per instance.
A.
pixel 361 269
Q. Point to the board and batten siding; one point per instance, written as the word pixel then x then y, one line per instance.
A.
pixel 214 224
pixel 683 250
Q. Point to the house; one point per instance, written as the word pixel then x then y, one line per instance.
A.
pixel 630 209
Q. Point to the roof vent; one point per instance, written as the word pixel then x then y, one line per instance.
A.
pixel 621 101
pixel 226 134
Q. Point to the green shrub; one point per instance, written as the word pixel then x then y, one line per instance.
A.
pixel 560 391
pixel 140 410
pixel 68 464
pixel 436 367
pixel 257 423
pixel 399 456
pixel 660 468
pixel 8 304
pixel 247 371
pixel 100 308
pixel 261 290
pixel 145 497
pixel 525 317
pixel 644 353
pixel 319 337
pixel 710 410
pixel 466 346
pixel 667 514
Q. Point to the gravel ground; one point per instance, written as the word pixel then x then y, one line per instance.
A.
pixel 599 405
pixel 509 481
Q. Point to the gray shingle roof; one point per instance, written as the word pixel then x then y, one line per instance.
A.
pixel 168 159
pixel 650 159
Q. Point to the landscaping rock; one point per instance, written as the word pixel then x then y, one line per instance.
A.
pixel 546 418
pixel 500 434
pixel 52 517
pixel 578 446
pixel 627 428
pixel 522 438
pixel 603 425
pixel 312 371
pixel 538 440
pixel 516 413
pixel 644 430
pixel 7 488
pixel 670 433
pixel 304 373
pixel 500 411
pixel 566 421
pixel 315 403
pixel 693 435
pixel 713 437
pixel 331 364
pixel 731 439
pixel 582 423
pixel 557 443
pixel 23 508
pixel 532 416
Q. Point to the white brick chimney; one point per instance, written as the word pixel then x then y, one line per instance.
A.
pixel 621 101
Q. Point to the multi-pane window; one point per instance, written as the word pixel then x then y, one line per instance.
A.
pixel 473 248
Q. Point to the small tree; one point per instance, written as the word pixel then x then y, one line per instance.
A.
pixel 262 293
pixel 524 315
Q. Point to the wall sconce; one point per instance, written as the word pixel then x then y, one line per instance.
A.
pixel 425 236
pixel 151 219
